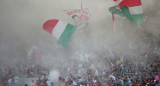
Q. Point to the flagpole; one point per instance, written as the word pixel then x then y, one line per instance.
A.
pixel 81 4
pixel 112 21
pixel 139 28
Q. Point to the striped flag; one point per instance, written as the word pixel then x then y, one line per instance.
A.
pixel 132 9
pixel 62 31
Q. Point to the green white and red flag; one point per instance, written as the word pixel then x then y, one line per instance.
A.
pixel 61 30
pixel 132 9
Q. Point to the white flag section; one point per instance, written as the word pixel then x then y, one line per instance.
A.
pixel 79 16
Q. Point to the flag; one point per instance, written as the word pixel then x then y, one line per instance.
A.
pixel 79 16
pixel 132 9
pixel 62 31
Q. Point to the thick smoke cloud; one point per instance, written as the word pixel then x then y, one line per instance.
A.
pixel 21 34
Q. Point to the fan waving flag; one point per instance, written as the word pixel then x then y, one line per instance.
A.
pixel 132 9
pixel 62 31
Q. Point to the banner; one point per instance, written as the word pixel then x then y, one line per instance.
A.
pixel 79 16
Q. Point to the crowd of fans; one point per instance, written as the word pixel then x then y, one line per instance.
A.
pixel 116 73
pixel 10 74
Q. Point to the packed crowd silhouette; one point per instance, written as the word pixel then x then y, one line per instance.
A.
pixel 116 72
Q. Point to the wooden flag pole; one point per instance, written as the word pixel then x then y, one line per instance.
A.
pixel 113 22
pixel 81 4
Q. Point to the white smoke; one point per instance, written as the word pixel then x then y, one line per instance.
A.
pixel 21 28
pixel 54 76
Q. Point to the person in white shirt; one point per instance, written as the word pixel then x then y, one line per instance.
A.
pixel 32 83
pixel 9 81
pixel 48 83
pixel 16 79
